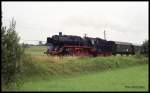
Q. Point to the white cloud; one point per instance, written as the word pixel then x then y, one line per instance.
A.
pixel 123 21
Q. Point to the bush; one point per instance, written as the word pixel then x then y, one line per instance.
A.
pixel 145 48
pixel 12 53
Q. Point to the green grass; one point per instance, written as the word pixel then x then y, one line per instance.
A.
pixel 36 50
pixel 129 79
pixel 44 66
pixel 42 72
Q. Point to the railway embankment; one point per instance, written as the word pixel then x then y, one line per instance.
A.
pixel 46 67
pixel 49 66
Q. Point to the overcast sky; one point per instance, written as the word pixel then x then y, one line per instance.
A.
pixel 123 21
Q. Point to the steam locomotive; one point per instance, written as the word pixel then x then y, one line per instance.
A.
pixel 87 46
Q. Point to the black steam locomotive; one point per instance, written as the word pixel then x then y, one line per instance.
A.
pixel 87 46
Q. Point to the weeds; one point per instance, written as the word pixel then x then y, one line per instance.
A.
pixel 39 66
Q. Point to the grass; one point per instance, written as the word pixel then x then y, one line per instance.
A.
pixel 128 79
pixel 54 66
pixel 36 50
pixel 42 72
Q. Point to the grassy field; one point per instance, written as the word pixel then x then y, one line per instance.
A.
pixel 36 50
pixel 129 79
pixel 114 73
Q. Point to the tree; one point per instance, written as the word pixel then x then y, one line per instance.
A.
pixel 40 43
pixel 145 47
pixel 12 53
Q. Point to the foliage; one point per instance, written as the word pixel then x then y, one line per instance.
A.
pixel 145 48
pixel 12 53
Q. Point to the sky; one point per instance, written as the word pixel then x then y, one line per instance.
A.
pixel 122 21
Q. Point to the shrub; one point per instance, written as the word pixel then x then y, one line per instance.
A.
pixel 12 53
pixel 145 48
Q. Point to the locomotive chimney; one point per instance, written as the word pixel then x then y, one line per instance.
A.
pixel 60 33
